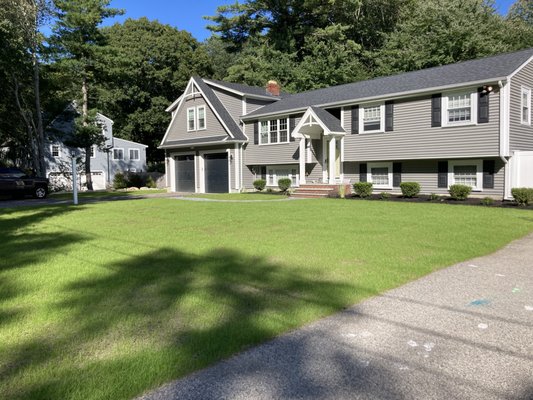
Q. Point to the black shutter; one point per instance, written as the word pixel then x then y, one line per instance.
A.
pixel 355 119
pixel 436 113
pixel 443 174
pixel 482 107
pixel 256 132
pixel 362 172
pixel 389 116
pixel 488 174
pixel 396 174
pixel 292 125
pixel 263 172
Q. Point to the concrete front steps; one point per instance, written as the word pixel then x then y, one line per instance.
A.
pixel 317 190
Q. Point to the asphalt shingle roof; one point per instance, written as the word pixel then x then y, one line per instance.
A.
pixel 188 142
pixel 484 69
pixel 252 90
pixel 333 124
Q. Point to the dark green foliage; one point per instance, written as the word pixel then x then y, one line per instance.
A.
pixel 487 201
pixel 434 197
pixel 410 189
pixel 523 196
pixel 460 192
pixel 150 183
pixel 363 189
pixel 284 184
pixel 384 195
pixel 136 180
pixel 119 181
pixel 259 184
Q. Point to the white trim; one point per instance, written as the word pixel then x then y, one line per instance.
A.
pixel 244 105
pixel 138 152
pixel 174 104
pixel 198 117
pixel 231 90
pixel 516 71
pixel 58 150
pixel 473 109
pixel 295 178
pixel 173 182
pixel 175 114
pixel 106 118
pixel 324 152
pixel 113 153
pixel 189 109
pixel 342 117
pixel 381 118
pixel 505 105
pixel 237 161
pixel 301 161
pixel 525 90
pixel 387 165
pixel 307 121
pixel 479 172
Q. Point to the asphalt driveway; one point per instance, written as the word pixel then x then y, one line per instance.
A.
pixel 465 332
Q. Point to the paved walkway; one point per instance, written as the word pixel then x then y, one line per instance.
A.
pixel 465 332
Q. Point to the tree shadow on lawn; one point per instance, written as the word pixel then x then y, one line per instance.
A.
pixel 155 317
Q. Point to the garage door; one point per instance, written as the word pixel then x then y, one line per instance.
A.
pixel 98 179
pixel 216 173
pixel 185 173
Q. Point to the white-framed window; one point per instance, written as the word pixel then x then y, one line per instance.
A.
pixel 200 117
pixel 277 172
pixel 274 131
pixel 133 169
pixel 380 174
pixel 93 151
pixel 466 172
pixel 196 120
pixel 372 118
pixel 525 113
pixel 135 154
pixel 55 150
pixel 459 108
pixel 191 119
pixel 118 154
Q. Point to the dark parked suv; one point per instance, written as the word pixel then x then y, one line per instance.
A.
pixel 17 183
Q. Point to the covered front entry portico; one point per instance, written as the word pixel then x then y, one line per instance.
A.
pixel 318 124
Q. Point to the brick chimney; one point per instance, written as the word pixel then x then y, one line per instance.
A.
pixel 273 88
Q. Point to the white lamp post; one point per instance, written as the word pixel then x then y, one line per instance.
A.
pixel 74 178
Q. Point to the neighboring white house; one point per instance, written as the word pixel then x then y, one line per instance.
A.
pixel 115 155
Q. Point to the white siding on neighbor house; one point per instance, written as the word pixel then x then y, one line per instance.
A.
pixel 520 135
pixel 414 138
pixel 178 128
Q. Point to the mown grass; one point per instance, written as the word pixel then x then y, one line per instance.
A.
pixel 108 300
pixel 105 193
pixel 239 196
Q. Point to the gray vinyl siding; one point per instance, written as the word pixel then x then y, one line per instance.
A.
pixel 425 172
pixel 231 101
pixel 254 104
pixel 414 138
pixel 520 136
pixel 178 128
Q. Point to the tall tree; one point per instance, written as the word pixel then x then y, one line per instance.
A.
pixel 144 67
pixel 76 39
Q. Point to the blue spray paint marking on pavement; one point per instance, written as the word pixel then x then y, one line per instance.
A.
pixel 480 302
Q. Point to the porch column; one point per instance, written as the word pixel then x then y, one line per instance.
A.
pixel 302 161
pixel 331 161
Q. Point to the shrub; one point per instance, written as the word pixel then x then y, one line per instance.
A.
pixel 363 189
pixel 150 183
pixel 460 192
pixel 284 184
pixel 135 180
pixel 410 189
pixel 487 201
pixel 119 181
pixel 384 195
pixel 434 197
pixel 259 184
pixel 523 196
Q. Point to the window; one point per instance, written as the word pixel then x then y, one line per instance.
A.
pixel 275 173
pixel 93 151
pixel 273 131
pixel 55 150
pixel 196 118
pixel 459 109
pixel 467 172
pixel 380 174
pixel 118 154
pixel 526 106
pixel 201 117
pixel 191 119
pixel 134 155
pixel 372 118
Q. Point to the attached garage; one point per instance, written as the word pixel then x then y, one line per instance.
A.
pixel 216 172
pixel 185 176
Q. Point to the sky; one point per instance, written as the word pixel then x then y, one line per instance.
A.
pixel 188 14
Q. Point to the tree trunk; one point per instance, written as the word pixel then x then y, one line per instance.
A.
pixel 85 116
pixel 41 170
pixel 27 122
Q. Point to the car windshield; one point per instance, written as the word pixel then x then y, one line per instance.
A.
pixel 11 173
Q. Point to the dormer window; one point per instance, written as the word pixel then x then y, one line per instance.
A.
pixel 196 118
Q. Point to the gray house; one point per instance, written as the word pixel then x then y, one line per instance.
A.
pixel 467 123
pixel 115 155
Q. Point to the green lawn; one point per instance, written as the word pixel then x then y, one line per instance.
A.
pixel 239 196
pixel 108 300
pixel 105 193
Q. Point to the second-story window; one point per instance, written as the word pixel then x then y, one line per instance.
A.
pixel 459 109
pixel 55 150
pixel 526 106
pixel 196 118
pixel 134 155
pixel 118 154
pixel 191 119
pixel 273 131
pixel 93 151
pixel 372 118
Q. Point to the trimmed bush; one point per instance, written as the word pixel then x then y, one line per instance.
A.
pixel 150 183
pixel 384 195
pixel 460 192
pixel 487 201
pixel 523 196
pixel 434 197
pixel 284 184
pixel 363 189
pixel 119 181
pixel 135 180
pixel 259 184
pixel 410 189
